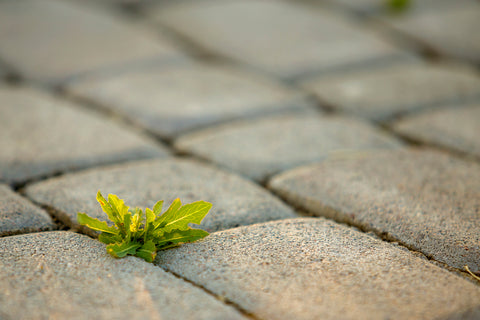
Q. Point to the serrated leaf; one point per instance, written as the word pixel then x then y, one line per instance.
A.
pixel 95 224
pixel 157 208
pixel 147 252
pixel 108 238
pixel 137 220
pixel 117 205
pixel 122 249
pixel 189 213
pixel 168 215
pixel 180 236
pixel 150 215
pixel 107 208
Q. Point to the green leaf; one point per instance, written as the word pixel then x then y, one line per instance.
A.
pixel 147 252
pixel 189 213
pixel 95 224
pixel 122 249
pixel 180 236
pixel 157 208
pixel 108 238
pixel 127 223
pixel 167 215
pixel 150 215
pixel 118 206
pixel 106 208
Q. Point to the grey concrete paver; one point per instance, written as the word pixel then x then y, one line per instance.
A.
pixel 63 275
pixel 53 40
pixel 263 147
pixel 316 269
pixel 235 201
pixel 41 135
pixel 284 39
pixel 427 200
pixel 168 101
pixel 382 93
pixel 18 215
pixel 456 128
pixel 449 31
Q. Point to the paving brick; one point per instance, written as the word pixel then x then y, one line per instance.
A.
pixel 281 38
pixel 382 93
pixel 54 40
pixel 258 149
pixel 170 101
pixel 317 269
pixel 42 135
pixel 427 200
pixel 235 201
pixel 63 275
pixel 17 215
pixel 456 128
pixel 449 31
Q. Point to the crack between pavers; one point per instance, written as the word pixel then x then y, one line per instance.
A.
pixel 220 298
pixel 379 235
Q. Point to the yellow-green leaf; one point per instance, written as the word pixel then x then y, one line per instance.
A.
pixel 122 249
pixel 189 213
pixel 95 224
pixel 147 252
pixel 167 215
pixel 180 236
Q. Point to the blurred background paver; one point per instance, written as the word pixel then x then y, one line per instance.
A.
pixel 317 269
pixel 451 31
pixel 456 128
pixel 427 200
pixel 260 148
pixel 64 275
pixel 51 40
pixel 382 93
pixel 236 201
pixel 281 38
pixel 18 215
pixel 43 135
pixel 168 101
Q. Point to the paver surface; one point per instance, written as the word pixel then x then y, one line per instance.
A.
pixel 41 134
pixel 235 201
pixel 360 116
pixel 168 101
pixel 427 200
pixel 63 275
pixel 280 38
pixel 258 149
pixel 313 268
pixel 34 44
pixel 384 93
pixel 18 215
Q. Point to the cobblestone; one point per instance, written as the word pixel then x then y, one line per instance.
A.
pixel 448 31
pixel 425 199
pixel 278 37
pixel 313 268
pixel 455 128
pixel 170 101
pixel 235 201
pixel 258 149
pixel 36 46
pixel 43 135
pixel 387 92
pixel 65 275
pixel 17 215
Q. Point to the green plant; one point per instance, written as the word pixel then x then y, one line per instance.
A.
pixel 143 234
pixel 398 5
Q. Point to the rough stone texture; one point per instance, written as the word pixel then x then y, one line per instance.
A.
pixel 169 101
pixel 41 135
pixel 17 215
pixel 258 149
pixel 450 31
pixel 235 201
pixel 457 128
pixel 383 93
pixel 317 269
pixel 63 275
pixel 281 38
pixel 428 200
pixel 53 40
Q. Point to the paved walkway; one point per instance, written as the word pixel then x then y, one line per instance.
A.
pixel 339 144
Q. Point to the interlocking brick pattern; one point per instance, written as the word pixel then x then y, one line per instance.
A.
pixel 364 119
